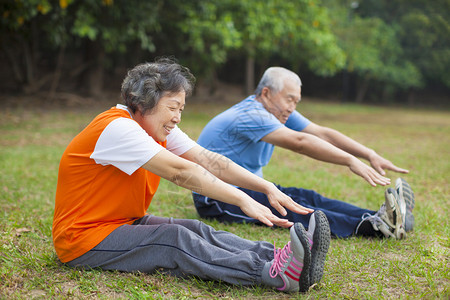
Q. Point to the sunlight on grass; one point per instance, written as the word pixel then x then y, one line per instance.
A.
pixel 32 143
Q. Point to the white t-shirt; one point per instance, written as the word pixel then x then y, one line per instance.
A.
pixel 125 144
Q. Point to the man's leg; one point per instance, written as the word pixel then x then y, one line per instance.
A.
pixel 311 197
pixel 214 209
pixel 180 247
pixel 342 216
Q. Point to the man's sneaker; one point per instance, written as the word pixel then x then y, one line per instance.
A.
pixel 389 219
pixel 395 212
pixel 379 226
pixel 319 238
pixel 290 261
pixel 406 193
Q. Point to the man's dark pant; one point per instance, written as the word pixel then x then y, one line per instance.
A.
pixel 342 216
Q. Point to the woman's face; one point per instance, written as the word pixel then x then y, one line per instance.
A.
pixel 163 117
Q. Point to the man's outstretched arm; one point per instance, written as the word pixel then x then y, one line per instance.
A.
pixel 317 148
pixel 343 142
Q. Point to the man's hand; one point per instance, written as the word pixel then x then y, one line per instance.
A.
pixel 380 164
pixel 368 173
pixel 280 201
pixel 262 213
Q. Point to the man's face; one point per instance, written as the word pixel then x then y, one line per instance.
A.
pixel 283 103
pixel 163 117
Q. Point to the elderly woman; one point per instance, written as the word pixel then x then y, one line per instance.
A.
pixel 110 171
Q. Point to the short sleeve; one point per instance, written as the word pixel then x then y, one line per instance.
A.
pixel 255 124
pixel 178 142
pixel 297 121
pixel 125 145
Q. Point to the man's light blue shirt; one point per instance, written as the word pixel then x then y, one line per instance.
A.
pixel 237 132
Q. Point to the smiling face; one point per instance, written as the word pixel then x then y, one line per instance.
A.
pixel 163 117
pixel 282 103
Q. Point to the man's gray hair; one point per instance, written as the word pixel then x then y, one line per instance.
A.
pixel 274 78
pixel 147 83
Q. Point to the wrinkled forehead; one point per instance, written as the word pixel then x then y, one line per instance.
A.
pixel 291 88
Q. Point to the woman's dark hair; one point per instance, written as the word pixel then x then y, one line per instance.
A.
pixel 146 83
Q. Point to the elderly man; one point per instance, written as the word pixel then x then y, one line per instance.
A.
pixel 247 134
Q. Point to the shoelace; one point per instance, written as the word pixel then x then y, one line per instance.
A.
pixel 280 258
pixel 374 219
pixel 382 210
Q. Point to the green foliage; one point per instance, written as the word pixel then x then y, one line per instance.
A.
pixel 372 48
pixel 201 33
pixel 16 13
pixel 315 42
pixel 113 23
pixel 116 24
pixel 298 31
pixel 210 28
pixel 426 39
pixel 422 30
pixel 400 44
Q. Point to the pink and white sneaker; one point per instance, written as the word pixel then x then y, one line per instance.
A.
pixel 319 236
pixel 292 262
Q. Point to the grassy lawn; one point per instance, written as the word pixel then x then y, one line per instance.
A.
pixel 32 142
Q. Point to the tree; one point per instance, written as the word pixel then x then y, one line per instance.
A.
pixel 373 51
pixel 107 27
pixel 398 45
pixel 97 26
pixel 22 41
pixel 204 33
pixel 422 31
pixel 200 33
pixel 298 31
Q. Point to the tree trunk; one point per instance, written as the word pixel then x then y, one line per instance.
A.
pixel 57 73
pixel 21 54
pixel 411 97
pixel 28 57
pixel 34 44
pixel 92 78
pixel 362 90
pixel 14 63
pixel 345 86
pixel 250 76
pixel 212 82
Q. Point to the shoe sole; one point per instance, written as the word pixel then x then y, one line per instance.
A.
pixel 321 243
pixel 405 192
pixel 304 276
pixel 399 207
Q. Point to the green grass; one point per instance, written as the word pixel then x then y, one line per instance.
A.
pixel 32 142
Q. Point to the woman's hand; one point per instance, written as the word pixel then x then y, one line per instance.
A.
pixel 263 214
pixel 280 201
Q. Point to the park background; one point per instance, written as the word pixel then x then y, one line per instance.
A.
pixel 377 70
pixel 373 51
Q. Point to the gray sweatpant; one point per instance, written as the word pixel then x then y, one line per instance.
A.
pixel 179 247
